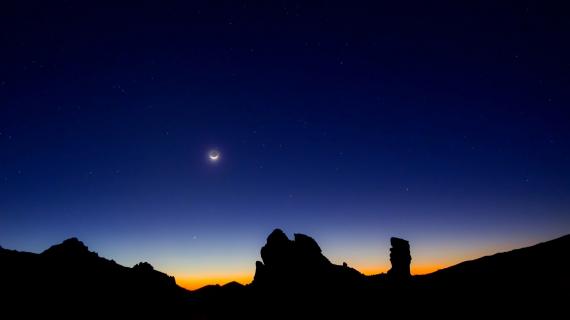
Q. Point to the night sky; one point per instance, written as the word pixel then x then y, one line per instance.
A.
pixel 446 123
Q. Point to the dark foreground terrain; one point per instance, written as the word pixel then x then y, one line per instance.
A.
pixel 294 281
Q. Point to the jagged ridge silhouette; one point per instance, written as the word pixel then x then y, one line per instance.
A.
pixel 293 280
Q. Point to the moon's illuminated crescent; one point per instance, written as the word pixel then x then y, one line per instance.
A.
pixel 214 155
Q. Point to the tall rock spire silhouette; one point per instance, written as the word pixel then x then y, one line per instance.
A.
pixel 400 258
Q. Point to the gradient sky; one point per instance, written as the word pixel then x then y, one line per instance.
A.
pixel 447 124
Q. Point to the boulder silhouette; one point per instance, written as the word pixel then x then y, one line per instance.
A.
pixel 278 251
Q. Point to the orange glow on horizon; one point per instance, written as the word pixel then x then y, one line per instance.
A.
pixel 425 269
pixel 193 283
pixel 415 269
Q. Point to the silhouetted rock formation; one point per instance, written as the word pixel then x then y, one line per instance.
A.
pixel 293 263
pixel 400 258
pixel 294 273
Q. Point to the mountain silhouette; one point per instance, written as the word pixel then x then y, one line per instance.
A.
pixel 534 276
pixel 293 280
pixel 68 277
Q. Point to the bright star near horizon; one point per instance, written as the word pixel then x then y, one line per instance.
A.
pixel 214 155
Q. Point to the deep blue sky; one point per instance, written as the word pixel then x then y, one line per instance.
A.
pixel 445 123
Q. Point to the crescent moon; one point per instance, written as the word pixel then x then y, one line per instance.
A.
pixel 214 155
